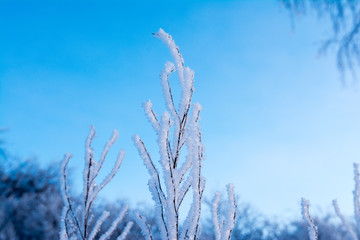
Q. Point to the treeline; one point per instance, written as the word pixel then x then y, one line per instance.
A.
pixel 31 205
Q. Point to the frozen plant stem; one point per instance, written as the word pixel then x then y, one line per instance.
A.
pixel 224 227
pixel 312 229
pixel 179 177
pixel 356 195
pixel 75 221
pixel 343 221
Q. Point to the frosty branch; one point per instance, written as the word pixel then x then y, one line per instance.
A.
pixel 356 193
pixel 224 227
pixel 169 194
pixel 312 229
pixel 76 222
pixel 181 176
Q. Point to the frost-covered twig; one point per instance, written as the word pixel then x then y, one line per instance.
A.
pixel 98 224
pixel 115 223
pixel 145 229
pixel 126 231
pixel 179 178
pixel 75 222
pixel 312 228
pixel 224 227
pixel 181 175
pixel 215 215
pixel 344 222
pixel 356 195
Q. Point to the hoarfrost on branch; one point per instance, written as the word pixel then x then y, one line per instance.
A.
pixel 76 220
pixel 180 177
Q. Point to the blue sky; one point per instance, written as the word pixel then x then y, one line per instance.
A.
pixel 276 119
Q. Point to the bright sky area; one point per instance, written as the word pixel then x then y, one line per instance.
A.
pixel 277 120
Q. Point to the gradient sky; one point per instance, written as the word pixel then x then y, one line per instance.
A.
pixel 277 120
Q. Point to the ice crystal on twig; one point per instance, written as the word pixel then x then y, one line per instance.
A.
pixel 312 228
pixel 76 218
pixel 177 128
pixel 356 195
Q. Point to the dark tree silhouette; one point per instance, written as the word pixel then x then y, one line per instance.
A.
pixel 30 204
pixel 344 16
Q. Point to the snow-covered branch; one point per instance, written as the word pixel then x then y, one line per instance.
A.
pixel 223 227
pixel 356 194
pixel 76 221
pixel 312 228
pixel 344 221
pixel 356 200
pixel 177 182
pixel 145 229
pixel 179 174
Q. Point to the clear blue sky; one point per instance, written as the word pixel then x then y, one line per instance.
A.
pixel 276 120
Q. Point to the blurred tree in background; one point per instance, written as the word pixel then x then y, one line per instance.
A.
pixel 30 202
pixel 344 16
pixel 3 153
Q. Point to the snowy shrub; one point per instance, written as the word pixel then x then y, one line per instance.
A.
pixel 180 176
pixel 76 220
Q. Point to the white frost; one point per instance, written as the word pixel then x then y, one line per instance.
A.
pixel 312 228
